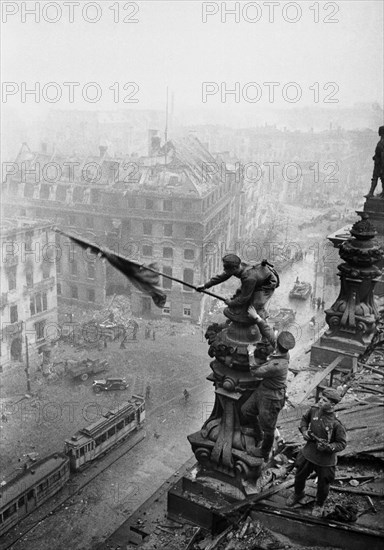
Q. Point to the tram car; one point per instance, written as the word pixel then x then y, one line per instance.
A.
pixel 30 487
pixel 96 439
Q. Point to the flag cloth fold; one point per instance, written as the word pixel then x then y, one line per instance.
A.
pixel 141 277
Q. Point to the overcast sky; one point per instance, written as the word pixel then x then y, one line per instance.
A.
pixel 171 45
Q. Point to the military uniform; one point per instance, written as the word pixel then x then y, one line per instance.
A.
pixel 318 457
pixel 262 408
pixel 378 170
pixel 257 286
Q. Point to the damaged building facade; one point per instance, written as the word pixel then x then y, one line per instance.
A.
pixel 28 288
pixel 178 206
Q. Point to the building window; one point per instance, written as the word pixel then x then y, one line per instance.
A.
pixel 147 228
pixel 188 278
pixel 167 252
pixel 186 310
pixel 90 270
pixel 39 328
pixel 168 230
pixel 91 295
pixel 28 240
pixel 12 278
pixel 46 270
pixel 167 205
pixel 189 254
pixel 32 306
pixel 189 231
pixel 147 250
pixel 167 283
pixel 29 278
pixel 149 204
pixel 167 308
pixel 187 206
pixel 74 267
pixel 74 292
pixel 38 303
pixel 14 316
pixel 58 266
pixel 58 289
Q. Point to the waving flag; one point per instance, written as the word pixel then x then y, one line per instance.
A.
pixel 145 278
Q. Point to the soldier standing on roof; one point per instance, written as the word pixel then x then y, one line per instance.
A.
pixel 258 283
pixel 325 436
pixel 378 170
pixel 262 408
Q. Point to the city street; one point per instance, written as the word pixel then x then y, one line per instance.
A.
pixel 169 365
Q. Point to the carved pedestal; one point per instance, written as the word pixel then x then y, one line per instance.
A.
pixel 225 444
pixel 352 318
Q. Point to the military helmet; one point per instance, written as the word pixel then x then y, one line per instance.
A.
pixel 331 394
pixel 231 260
pixel 286 340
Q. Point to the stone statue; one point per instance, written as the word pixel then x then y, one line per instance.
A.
pixel 258 283
pixel 226 446
pixel 378 170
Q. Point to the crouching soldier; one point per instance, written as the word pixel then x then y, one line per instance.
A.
pixel 262 408
pixel 325 436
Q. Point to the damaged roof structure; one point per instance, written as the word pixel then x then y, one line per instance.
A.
pixel 177 206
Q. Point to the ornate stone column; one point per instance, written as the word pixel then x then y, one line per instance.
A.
pixel 224 446
pixel 352 318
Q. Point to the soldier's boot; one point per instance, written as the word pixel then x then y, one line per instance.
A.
pixel 267 445
pixel 373 187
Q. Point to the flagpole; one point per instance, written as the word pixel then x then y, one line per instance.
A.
pixel 106 252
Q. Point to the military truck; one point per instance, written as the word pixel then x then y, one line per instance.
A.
pixel 85 368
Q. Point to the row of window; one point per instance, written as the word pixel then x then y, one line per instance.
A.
pixel 12 275
pixel 218 218
pixel 104 436
pixel 37 303
pixel 30 494
pixel 191 231
pixel 186 309
pixel 150 204
pixel 74 293
pixel 216 195
pixel 187 277
pixel 147 250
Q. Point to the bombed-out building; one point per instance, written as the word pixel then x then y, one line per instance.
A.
pixel 178 206
pixel 28 304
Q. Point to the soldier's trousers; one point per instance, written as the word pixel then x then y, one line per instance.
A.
pixel 261 412
pixel 325 476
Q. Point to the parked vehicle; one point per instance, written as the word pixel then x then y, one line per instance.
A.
pixel 301 290
pixel 109 384
pixel 30 487
pixel 281 318
pixel 83 369
pixel 97 438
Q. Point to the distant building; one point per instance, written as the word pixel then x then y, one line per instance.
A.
pixel 178 206
pixel 28 300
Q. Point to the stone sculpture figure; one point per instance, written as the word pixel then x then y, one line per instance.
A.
pixel 378 170
pixel 226 445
